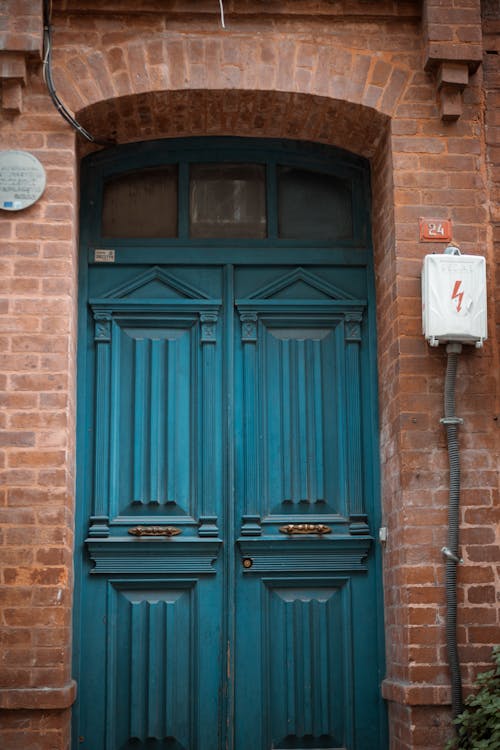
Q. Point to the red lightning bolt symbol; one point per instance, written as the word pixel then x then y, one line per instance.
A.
pixel 457 295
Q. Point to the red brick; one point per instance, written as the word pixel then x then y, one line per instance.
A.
pixel 485 553
pixel 481 594
pixel 10 439
pixel 484 634
pixel 475 574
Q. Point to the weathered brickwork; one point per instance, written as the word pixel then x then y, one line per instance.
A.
pixel 350 74
pixel 38 342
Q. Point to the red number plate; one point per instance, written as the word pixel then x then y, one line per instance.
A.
pixel 435 230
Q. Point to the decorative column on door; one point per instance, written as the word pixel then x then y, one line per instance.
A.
pixel 99 520
pixel 357 514
pixel 250 518
pixel 208 519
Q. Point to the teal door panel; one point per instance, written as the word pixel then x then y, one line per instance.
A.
pixel 299 639
pixel 152 619
pixel 227 576
pixel 298 692
pixel 142 686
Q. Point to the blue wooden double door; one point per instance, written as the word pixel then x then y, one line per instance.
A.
pixel 228 573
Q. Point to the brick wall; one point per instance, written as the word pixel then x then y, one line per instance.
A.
pixel 484 589
pixel 291 70
pixel 37 397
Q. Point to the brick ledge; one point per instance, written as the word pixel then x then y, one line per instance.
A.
pixel 38 698
pixel 416 694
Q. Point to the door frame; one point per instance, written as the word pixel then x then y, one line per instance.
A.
pixel 356 252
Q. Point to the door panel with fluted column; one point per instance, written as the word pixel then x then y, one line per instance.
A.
pixel 304 535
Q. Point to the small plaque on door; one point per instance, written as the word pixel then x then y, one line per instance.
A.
pixel 104 256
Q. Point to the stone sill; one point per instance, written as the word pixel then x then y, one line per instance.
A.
pixel 416 694
pixel 38 698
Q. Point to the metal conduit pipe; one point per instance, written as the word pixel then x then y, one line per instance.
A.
pixel 451 422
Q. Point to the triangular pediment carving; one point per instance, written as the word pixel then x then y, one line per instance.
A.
pixel 155 284
pixel 300 284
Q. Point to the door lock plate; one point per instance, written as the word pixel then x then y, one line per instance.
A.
pixel 154 531
pixel 305 528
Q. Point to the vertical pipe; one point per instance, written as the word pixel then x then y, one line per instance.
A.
pixel 451 422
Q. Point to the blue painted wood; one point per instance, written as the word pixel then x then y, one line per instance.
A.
pixel 99 518
pixel 357 513
pixel 153 690
pixel 307 688
pixel 227 387
pixel 249 427
pixel 211 489
pixel 161 666
pixel 300 359
pixel 126 555
pixel 295 555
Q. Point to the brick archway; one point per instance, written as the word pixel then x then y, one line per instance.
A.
pixel 239 112
pixel 120 65
pixel 301 116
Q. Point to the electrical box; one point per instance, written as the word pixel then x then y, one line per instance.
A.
pixel 454 299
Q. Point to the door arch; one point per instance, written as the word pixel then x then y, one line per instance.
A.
pixel 227 392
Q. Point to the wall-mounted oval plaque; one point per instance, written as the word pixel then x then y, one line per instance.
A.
pixel 22 180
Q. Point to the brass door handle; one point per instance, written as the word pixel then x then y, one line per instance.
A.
pixel 154 531
pixel 305 528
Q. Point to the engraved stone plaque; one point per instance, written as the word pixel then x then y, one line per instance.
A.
pixel 22 180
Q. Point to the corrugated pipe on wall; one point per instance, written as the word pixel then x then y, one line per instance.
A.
pixel 451 422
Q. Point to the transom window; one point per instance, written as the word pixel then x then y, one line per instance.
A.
pixel 228 200
pixel 141 204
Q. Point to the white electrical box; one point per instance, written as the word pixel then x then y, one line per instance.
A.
pixel 454 299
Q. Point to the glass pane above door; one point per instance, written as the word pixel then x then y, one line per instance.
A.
pixel 141 204
pixel 313 206
pixel 267 201
pixel 228 201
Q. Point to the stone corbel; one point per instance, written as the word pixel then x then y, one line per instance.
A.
pixel 21 43
pixel 452 78
pixel 13 79
pixel 452 49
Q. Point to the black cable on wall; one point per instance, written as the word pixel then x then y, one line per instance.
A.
pixel 47 76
